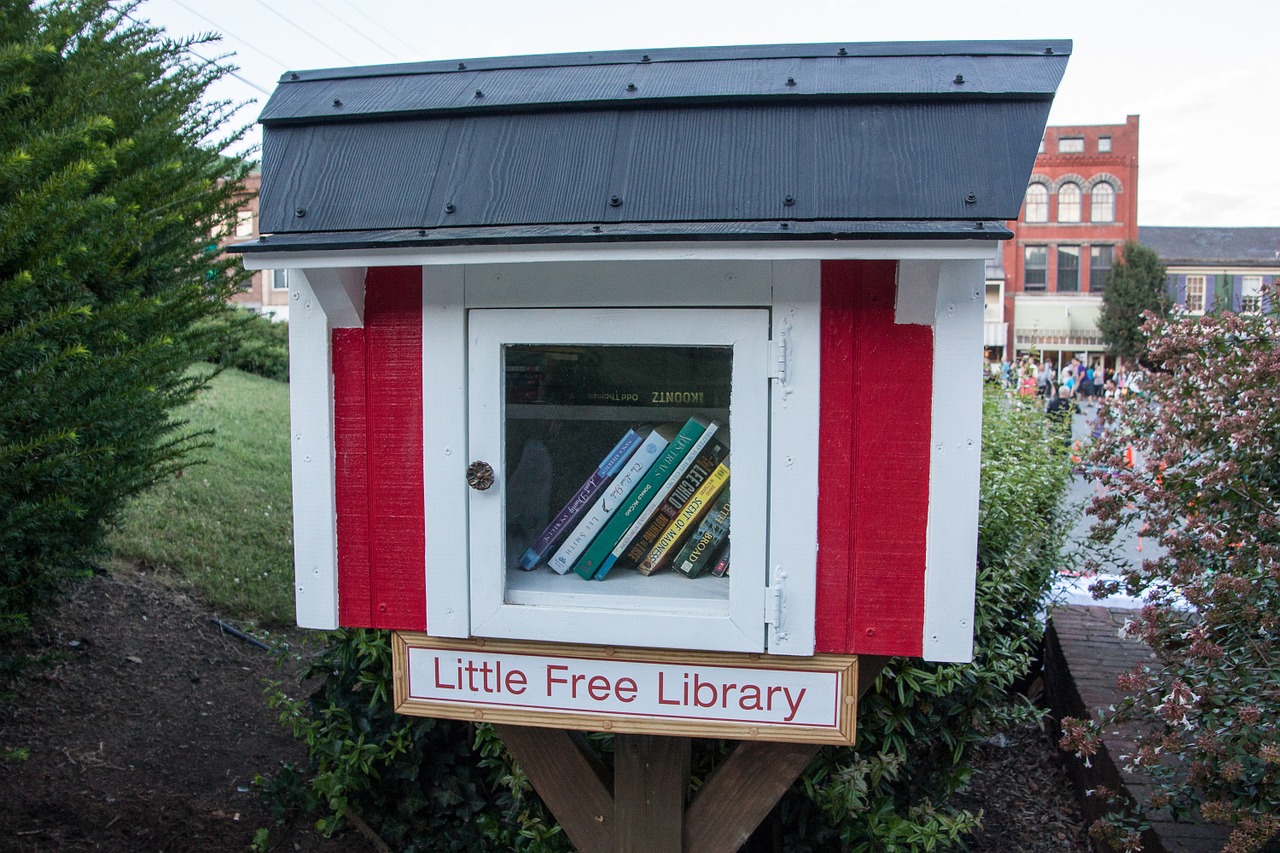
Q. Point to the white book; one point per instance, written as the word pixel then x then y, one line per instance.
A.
pixel 661 495
pixel 609 501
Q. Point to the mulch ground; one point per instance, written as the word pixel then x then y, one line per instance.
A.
pixel 146 733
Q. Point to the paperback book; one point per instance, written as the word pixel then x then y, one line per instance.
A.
pixel 673 501
pixel 687 520
pixel 592 558
pixel 698 551
pixel 583 498
pixel 614 496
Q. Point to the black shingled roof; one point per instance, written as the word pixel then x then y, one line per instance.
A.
pixel 1234 246
pixel 857 141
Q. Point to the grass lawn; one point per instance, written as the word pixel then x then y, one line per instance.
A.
pixel 225 524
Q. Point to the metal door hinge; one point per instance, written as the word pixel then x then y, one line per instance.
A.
pixel 780 355
pixel 773 606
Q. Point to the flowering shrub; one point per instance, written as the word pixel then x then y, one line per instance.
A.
pixel 1207 482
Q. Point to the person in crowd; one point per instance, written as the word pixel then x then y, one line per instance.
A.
pixel 1059 410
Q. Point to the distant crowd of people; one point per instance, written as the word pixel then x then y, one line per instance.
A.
pixel 1080 380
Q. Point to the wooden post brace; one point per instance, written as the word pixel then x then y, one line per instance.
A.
pixel 643 807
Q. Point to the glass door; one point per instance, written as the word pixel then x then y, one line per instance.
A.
pixel 619 475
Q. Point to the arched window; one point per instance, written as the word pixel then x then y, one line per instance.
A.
pixel 1037 203
pixel 1069 203
pixel 1102 203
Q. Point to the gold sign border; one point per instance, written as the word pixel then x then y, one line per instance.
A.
pixel 842 733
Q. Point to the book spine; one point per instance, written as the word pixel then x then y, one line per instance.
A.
pixel 721 567
pixel 687 520
pixel 581 499
pixel 696 553
pixel 680 486
pixel 610 499
pixel 591 562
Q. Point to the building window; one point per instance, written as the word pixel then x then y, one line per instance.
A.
pixel 1035 272
pixel 1251 294
pixel 1102 203
pixel 1040 150
pixel 1071 145
pixel 244 223
pixel 1100 258
pixel 1037 203
pixel 1195 294
pixel 1068 269
pixel 271 281
pixel 1104 144
pixel 1069 203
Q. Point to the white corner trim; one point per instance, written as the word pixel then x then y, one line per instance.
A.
pixel 916 302
pixel 444 451
pixel 955 456
pixel 315 545
pixel 340 292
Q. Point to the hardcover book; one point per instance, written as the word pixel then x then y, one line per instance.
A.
pixel 698 550
pixel 591 561
pixel 586 494
pixel 673 500
pixel 613 496
pixel 690 514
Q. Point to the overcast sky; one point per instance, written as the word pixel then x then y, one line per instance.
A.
pixel 1203 76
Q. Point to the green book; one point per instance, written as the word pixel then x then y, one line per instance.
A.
pixel 593 558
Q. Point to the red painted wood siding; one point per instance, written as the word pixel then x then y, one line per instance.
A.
pixel 873 491
pixel 378 442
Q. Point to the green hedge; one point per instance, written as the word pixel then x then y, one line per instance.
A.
pixel 432 785
pixel 251 342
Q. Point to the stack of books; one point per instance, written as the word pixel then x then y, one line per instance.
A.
pixel 659 499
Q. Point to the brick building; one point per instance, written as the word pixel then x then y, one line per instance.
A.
pixel 267 292
pixel 1081 206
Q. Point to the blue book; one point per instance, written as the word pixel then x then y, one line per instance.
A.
pixel 581 500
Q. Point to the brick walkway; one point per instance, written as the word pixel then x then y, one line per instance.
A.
pixel 1083 655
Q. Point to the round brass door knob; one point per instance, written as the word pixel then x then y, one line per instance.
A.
pixel 480 475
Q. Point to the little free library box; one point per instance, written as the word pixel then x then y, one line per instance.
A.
pixel 641 390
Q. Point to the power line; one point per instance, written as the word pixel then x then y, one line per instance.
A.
pixel 414 51
pixel 353 28
pixel 230 71
pixel 238 38
pixel 326 46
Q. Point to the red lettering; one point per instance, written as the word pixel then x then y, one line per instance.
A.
pixel 629 686
pixel 516 682
pixel 598 687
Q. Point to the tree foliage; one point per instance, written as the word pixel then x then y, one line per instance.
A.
pixel 111 180
pixel 1207 480
pixel 1134 287
pixel 412 780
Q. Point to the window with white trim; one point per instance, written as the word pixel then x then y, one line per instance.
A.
pixel 1068 269
pixel 1102 203
pixel 1069 203
pixel 244 223
pixel 1195 294
pixel 1100 261
pixel 1035 267
pixel 1036 205
pixel 1251 294
pixel 271 281
pixel 1071 145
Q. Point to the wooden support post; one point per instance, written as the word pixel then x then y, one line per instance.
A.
pixel 644 807
pixel 570 779
pixel 651 776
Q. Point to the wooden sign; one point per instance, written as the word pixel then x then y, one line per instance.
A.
pixel 643 691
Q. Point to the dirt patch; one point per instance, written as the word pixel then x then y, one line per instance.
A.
pixel 146 733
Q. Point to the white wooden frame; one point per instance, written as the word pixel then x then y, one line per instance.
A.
pixel 627 610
